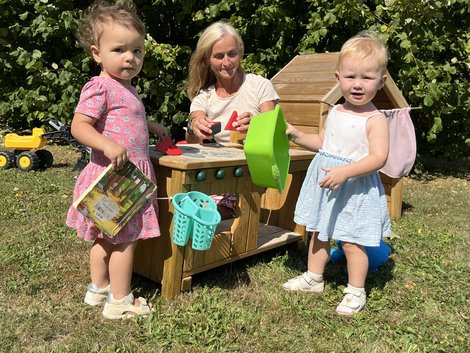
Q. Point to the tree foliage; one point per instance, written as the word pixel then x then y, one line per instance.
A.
pixel 44 69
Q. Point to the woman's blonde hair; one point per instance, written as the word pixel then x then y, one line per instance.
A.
pixel 200 73
pixel 123 13
pixel 362 45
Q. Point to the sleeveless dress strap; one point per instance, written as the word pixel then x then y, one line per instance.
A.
pixel 373 114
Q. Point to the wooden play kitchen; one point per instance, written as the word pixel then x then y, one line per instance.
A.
pixel 264 217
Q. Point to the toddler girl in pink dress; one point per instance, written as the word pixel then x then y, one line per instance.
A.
pixel 110 119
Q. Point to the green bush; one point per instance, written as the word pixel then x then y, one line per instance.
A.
pixel 44 68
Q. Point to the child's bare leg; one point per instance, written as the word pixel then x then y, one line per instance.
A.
pixel 357 263
pixel 100 254
pixel 354 294
pixel 121 302
pixel 312 279
pixel 120 269
pixel 318 255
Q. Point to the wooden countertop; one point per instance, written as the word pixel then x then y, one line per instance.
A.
pixel 212 155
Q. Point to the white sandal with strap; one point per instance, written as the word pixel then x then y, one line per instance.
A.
pixel 353 302
pixel 304 283
pixel 96 296
pixel 124 308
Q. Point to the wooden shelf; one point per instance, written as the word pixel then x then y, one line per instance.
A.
pixel 269 237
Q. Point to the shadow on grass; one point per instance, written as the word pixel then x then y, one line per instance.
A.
pixel 236 274
pixel 145 287
pixel 229 276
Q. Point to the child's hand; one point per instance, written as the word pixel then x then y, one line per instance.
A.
pixel 158 130
pixel 334 178
pixel 291 132
pixel 116 153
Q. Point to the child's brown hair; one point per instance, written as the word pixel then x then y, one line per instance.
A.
pixel 123 13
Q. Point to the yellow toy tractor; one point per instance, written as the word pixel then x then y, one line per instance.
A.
pixel 26 153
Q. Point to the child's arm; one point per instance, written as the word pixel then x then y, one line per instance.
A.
pixel 312 142
pixel 83 130
pixel 378 136
pixel 157 129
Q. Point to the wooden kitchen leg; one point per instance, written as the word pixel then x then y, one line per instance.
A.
pixel 172 272
pixel 186 283
pixel 174 254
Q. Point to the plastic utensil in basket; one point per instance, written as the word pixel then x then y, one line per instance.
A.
pixel 185 209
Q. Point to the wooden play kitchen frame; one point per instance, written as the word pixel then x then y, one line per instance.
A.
pixel 264 217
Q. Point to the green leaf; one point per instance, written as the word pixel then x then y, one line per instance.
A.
pixel 428 101
pixel 36 54
pixel 405 44
pixel 23 16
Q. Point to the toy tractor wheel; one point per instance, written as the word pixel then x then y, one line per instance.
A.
pixel 7 159
pixel 27 161
pixel 45 159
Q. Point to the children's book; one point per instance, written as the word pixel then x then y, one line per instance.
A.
pixel 114 197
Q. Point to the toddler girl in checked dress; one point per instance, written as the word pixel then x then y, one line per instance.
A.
pixel 342 197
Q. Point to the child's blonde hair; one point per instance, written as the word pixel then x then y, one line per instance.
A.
pixel 200 74
pixel 123 13
pixel 362 45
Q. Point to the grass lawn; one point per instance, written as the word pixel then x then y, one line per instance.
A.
pixel 419 301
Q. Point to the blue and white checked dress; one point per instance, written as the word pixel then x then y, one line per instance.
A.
pixel 357 211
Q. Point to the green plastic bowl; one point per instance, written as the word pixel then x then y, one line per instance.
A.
pixel 267 149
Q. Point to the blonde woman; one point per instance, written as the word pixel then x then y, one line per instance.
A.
pixel 218 86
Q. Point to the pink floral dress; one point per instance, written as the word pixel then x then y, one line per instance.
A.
pixel 121 117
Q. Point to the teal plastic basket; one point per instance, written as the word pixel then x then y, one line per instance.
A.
pixel 185 209
pixel 195 216
pixel 204 225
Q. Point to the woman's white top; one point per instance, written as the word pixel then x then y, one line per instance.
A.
pixel 254 91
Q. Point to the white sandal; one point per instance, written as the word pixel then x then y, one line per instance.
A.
pixel 95 296
pixel 124 308
pixel 353 302
pixel 304 283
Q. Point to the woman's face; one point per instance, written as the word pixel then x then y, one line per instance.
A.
pixel 225 58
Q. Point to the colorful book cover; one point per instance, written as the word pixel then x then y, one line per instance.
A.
pixel 114 198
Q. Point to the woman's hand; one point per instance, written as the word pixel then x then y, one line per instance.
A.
pixel 200 125
pixel 243 121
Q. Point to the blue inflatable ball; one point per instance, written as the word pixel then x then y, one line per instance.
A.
pixel 336 254
pixel 377 255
